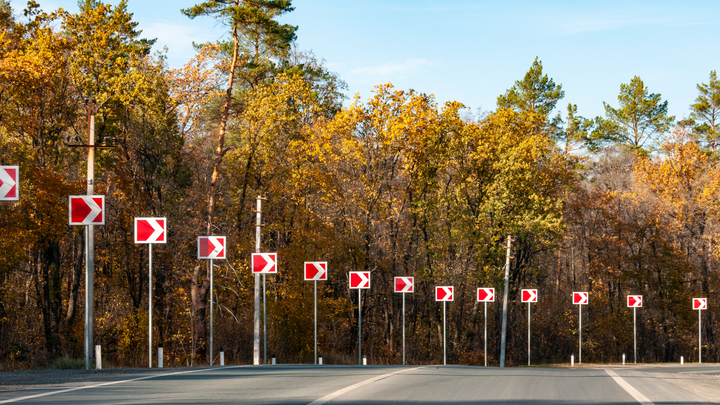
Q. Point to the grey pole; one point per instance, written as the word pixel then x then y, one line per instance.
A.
pixel 90 242
pixel 315 322
pixel 485 334
pixel 635 332
pixel 444 336
pixel 699 336
pixel 264 299
pixel 212 274
pixel 359 328
pixel 528 334
pixel 150 289
pixel 256 316
pixel 580 345
pixel 505 303
pixel 403 329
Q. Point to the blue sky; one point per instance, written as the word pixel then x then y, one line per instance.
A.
pixel 472 51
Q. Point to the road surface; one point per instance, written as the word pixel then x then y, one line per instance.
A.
pixel 316 385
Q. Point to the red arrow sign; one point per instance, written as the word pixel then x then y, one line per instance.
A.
pixel 315 271
pixel 359 279
pixel 580 298
pixel 404 284
pixel 529 295
pixel 87 209
pixel 444 293
pixel 634 301
pixel 211 247
pixel 699 303
pixel 264 263
pixel 150 230
pixel 9 178
pixel 486 295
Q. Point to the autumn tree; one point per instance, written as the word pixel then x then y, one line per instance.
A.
pixel 706 112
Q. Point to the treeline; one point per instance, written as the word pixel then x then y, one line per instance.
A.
pixel 396 185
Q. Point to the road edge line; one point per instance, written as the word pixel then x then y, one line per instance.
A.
pixel 637 395
pixel 333 395
pixel 147 377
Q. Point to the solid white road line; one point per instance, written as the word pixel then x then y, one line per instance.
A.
pixel 330 397
pixel 45 394
pixel 629 388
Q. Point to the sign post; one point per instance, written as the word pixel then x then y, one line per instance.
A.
pixel 529 295
pixel 315 271
pixel 149 231
pixel 634 302
pixel 9 179
pixel 404 285
pixel 211 247
pixel 88 210
pixel 580 299
pixel 444 294
pixel 699 304
pixel 485 295
pixel 264 263
pixel 359 280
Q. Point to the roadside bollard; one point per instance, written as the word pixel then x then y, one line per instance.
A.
pixel 160 356
pixel 320 360
pixel 273 360
pixel 222 357
pixel 98 358
pixel 682 361
pixel 572 360
pixel 623 359
pixel 364 361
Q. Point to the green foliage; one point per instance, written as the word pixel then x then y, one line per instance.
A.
pixel 706 112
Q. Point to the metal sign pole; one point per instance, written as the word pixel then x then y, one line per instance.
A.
pixel 150 289
pixel 264 299
pixel 315 322
pixel 88 327
pixel 635 332
pixel 359 328
pixel 485 334
pixel 528 334
pixel 256 298
pixel 580 345
pixel 403 294
pixel 444 336
pixel 212 274
pixel 699 336
pixel 90 242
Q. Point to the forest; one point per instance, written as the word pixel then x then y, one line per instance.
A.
pixel 397 185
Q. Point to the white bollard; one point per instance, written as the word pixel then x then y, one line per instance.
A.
pixel 273 360
pixel 222 357
pixel 320 360
pixel 572 360
pixel 160 357
pixel 623 359
pixel 98 358
pixel 682 361
pixel 364 361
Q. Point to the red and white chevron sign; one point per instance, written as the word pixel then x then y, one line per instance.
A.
pixel 699 303
pixel 86 209
pixel 359 279
pixel 404 284
pixel 211 247
pixel 634 301
pixel 315 271
pixel 529 295
pixel 264 263
pixel 444 293
pixel 9 179
pixel 150 230
pixel 486 295
pixel 580 298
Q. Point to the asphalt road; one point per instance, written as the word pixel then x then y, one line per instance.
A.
pixel 456 385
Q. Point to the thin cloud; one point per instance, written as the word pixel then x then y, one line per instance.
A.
pixel 388 70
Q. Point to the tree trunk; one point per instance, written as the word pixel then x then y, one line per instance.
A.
pixel 198 295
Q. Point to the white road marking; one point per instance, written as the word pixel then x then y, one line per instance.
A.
pixel 330 397
pixel 45 394
pixel 629 388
